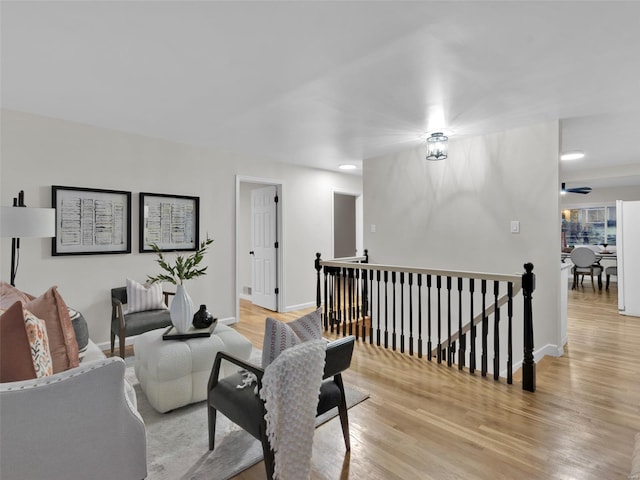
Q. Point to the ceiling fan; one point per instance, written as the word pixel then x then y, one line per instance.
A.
pixel 582 190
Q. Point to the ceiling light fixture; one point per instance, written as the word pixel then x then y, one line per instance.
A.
pixel 347 166
pixel 574 155
pixel 437 146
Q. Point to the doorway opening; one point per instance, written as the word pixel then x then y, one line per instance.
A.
pixel 259 227
pixel 347 224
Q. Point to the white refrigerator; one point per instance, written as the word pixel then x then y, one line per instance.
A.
pixel 628 253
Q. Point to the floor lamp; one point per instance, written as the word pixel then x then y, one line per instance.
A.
pixel 19 221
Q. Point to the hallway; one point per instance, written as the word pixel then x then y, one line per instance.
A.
pixel 425 421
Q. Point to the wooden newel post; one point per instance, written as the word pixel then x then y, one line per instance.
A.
pixel 365 290
pixel 528 364
pixel 318 290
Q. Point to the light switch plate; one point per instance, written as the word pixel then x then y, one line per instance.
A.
pixel 515 226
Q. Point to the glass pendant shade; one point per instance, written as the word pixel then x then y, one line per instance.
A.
pixel 437 146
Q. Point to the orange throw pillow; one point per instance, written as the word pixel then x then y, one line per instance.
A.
pixel 10 295
pixel 15 356
pixel 51 308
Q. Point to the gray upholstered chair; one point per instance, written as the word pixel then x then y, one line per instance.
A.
pixel 128 324
pixel 79 423
pixel 584 262
pixel 246 409
pixel 613 270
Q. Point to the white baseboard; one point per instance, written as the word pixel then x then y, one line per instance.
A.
pixel 228 320
pixel 291 308
pixel 549 349
pixel 288 308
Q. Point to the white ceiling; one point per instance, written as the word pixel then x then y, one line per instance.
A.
pixel 325 83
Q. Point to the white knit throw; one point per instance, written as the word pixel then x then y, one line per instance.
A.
pixel 290 390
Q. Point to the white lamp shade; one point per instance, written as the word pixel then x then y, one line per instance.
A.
pixel 24 222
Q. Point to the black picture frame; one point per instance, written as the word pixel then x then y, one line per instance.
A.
pixel 91 221
pixel 172 222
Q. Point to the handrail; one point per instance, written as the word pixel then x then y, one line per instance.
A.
pixel 499 277
pixel 477 319
pixel 349 259
pixel 386 302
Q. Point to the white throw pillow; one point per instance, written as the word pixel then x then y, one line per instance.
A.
pixel 144 297
pixel 278 336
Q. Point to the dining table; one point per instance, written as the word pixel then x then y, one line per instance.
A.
pixel 599 256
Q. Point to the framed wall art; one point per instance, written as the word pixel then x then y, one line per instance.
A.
pixel 169 221
pixel 91 221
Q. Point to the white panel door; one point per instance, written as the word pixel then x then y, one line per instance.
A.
pixel 264 239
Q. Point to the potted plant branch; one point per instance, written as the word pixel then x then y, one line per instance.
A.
pixel 183 268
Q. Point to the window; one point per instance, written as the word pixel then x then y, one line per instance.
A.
pixel 589 226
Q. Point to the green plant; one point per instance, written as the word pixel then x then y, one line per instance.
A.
pixel 184 268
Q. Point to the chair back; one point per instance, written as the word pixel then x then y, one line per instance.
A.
pixel 583 257
pixel 338 356
pixel 120 293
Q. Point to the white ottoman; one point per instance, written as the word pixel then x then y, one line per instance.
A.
pixel 174 373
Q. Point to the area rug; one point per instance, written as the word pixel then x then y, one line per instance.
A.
pixel 178 441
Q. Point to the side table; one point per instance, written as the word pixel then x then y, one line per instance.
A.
pixel 174 373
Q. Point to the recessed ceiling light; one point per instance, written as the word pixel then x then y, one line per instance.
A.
pixel 575 155
pixel 347 166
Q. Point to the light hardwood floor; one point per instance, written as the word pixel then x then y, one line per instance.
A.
pixel 427 421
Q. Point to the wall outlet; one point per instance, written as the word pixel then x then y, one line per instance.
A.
pixel 373 228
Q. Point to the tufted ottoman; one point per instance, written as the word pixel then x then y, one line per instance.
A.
pixel 174 373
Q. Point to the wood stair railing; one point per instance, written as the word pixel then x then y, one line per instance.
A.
pixel 403 308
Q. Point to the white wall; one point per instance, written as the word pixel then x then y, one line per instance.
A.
pixel 38 152
pixel 455 214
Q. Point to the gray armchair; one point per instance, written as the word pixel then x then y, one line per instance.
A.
pixel 128 324
pixel 246 409
pixel 80 423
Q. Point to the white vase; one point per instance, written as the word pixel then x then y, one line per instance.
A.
pixel 181 310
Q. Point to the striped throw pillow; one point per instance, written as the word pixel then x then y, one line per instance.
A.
pixel 143 297
pixel 278 336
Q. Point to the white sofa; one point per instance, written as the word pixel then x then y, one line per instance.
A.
pixel 77 424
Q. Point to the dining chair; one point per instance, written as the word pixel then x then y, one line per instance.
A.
pixel 585 262
pixel 613 270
